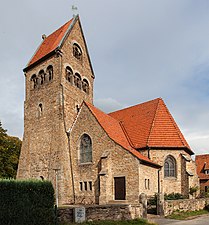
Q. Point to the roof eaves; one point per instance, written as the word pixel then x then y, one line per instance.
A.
pixel 40 60
pixel 28 64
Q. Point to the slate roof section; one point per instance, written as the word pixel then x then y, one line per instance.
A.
pixel 202 163
pixel 115 131
pixel 150 124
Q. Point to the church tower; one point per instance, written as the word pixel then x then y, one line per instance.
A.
pixel 58 78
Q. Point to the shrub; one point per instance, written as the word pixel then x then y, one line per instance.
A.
pixel 174 196
pixel 26 202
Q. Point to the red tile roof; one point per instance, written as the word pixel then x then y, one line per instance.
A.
pixel 50 43
pixel 202 163
pixel 150 124
pixel 115 131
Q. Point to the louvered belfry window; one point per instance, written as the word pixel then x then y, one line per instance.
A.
pixel 85 149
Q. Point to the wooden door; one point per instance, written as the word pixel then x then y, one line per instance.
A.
pixel 120 188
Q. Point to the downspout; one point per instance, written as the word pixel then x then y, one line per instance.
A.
pixel 158 176
pixel 59 53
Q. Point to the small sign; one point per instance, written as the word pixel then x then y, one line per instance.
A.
pixel 80 215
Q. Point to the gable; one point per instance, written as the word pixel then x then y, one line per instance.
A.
pixel 116 132
pixel 55 42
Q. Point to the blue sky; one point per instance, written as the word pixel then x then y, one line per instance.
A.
pixel 140 50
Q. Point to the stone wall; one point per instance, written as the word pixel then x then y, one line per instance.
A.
pixel 184 205
pixel 105 212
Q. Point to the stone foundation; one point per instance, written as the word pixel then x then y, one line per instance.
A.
pixel 105 212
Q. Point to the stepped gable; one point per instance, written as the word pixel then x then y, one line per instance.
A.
pixel 150 124
pixel 50 43
pixel 202 163
pixel 115 131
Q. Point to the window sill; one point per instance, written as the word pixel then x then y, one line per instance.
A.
pixel 85 164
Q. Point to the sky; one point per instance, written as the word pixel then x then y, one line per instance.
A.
pixel 140 50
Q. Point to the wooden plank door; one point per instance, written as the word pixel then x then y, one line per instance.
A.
pixel 120 188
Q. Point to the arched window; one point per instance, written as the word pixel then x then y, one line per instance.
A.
pixel 40 109
pixel 41 77
pixel 85 149
pixel 77 80
pixel 77 51
pixel 69 74
pixel 34 81
pixel 85 86
pixel 170 167
pixel 49 72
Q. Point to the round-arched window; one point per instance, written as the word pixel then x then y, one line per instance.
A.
pixel 77 51
pixel 85 86
pixel 85 149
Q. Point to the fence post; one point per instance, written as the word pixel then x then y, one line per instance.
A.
pixel 160 204
pixel 143 201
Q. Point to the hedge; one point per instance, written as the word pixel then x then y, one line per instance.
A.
pixel 28 202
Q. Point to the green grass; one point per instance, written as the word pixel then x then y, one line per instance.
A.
pixel 109 222
pixel 185 215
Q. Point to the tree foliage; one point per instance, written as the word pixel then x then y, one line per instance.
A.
pixel 9 154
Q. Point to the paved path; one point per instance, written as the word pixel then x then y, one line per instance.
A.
pixel 201 220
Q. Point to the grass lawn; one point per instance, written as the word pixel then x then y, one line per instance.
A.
pixel 185 215
pixel 126 222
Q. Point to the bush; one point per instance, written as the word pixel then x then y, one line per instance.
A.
pixel 174 196
pixel 26 202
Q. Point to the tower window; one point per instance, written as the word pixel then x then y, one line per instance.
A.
pixel 49 72
pixel 85 86
pixel 40 109
pixel 85 149
pixel 170 167
pixel 77 51
pixel 41 77
pixel 77 80
pixel 69 74
pixel 34 81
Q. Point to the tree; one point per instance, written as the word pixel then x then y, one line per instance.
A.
pixel 9 154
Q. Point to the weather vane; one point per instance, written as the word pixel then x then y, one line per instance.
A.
pixel 74 9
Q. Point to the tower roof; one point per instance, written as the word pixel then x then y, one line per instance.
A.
pixel 50 43
pixel 54 42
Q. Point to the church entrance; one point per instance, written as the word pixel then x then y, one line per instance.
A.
pixel 120 188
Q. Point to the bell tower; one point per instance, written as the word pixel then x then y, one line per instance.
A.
pixel 58 78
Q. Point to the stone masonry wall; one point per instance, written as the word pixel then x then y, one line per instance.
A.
pixel 45 143
pixel 102 170
pixel 184 205
pixel 107 212
pixel 180 183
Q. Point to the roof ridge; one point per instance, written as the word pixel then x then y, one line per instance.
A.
pixel 134 105
pixel 152 126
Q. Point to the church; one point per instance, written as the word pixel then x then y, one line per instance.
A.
pixel 89 156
